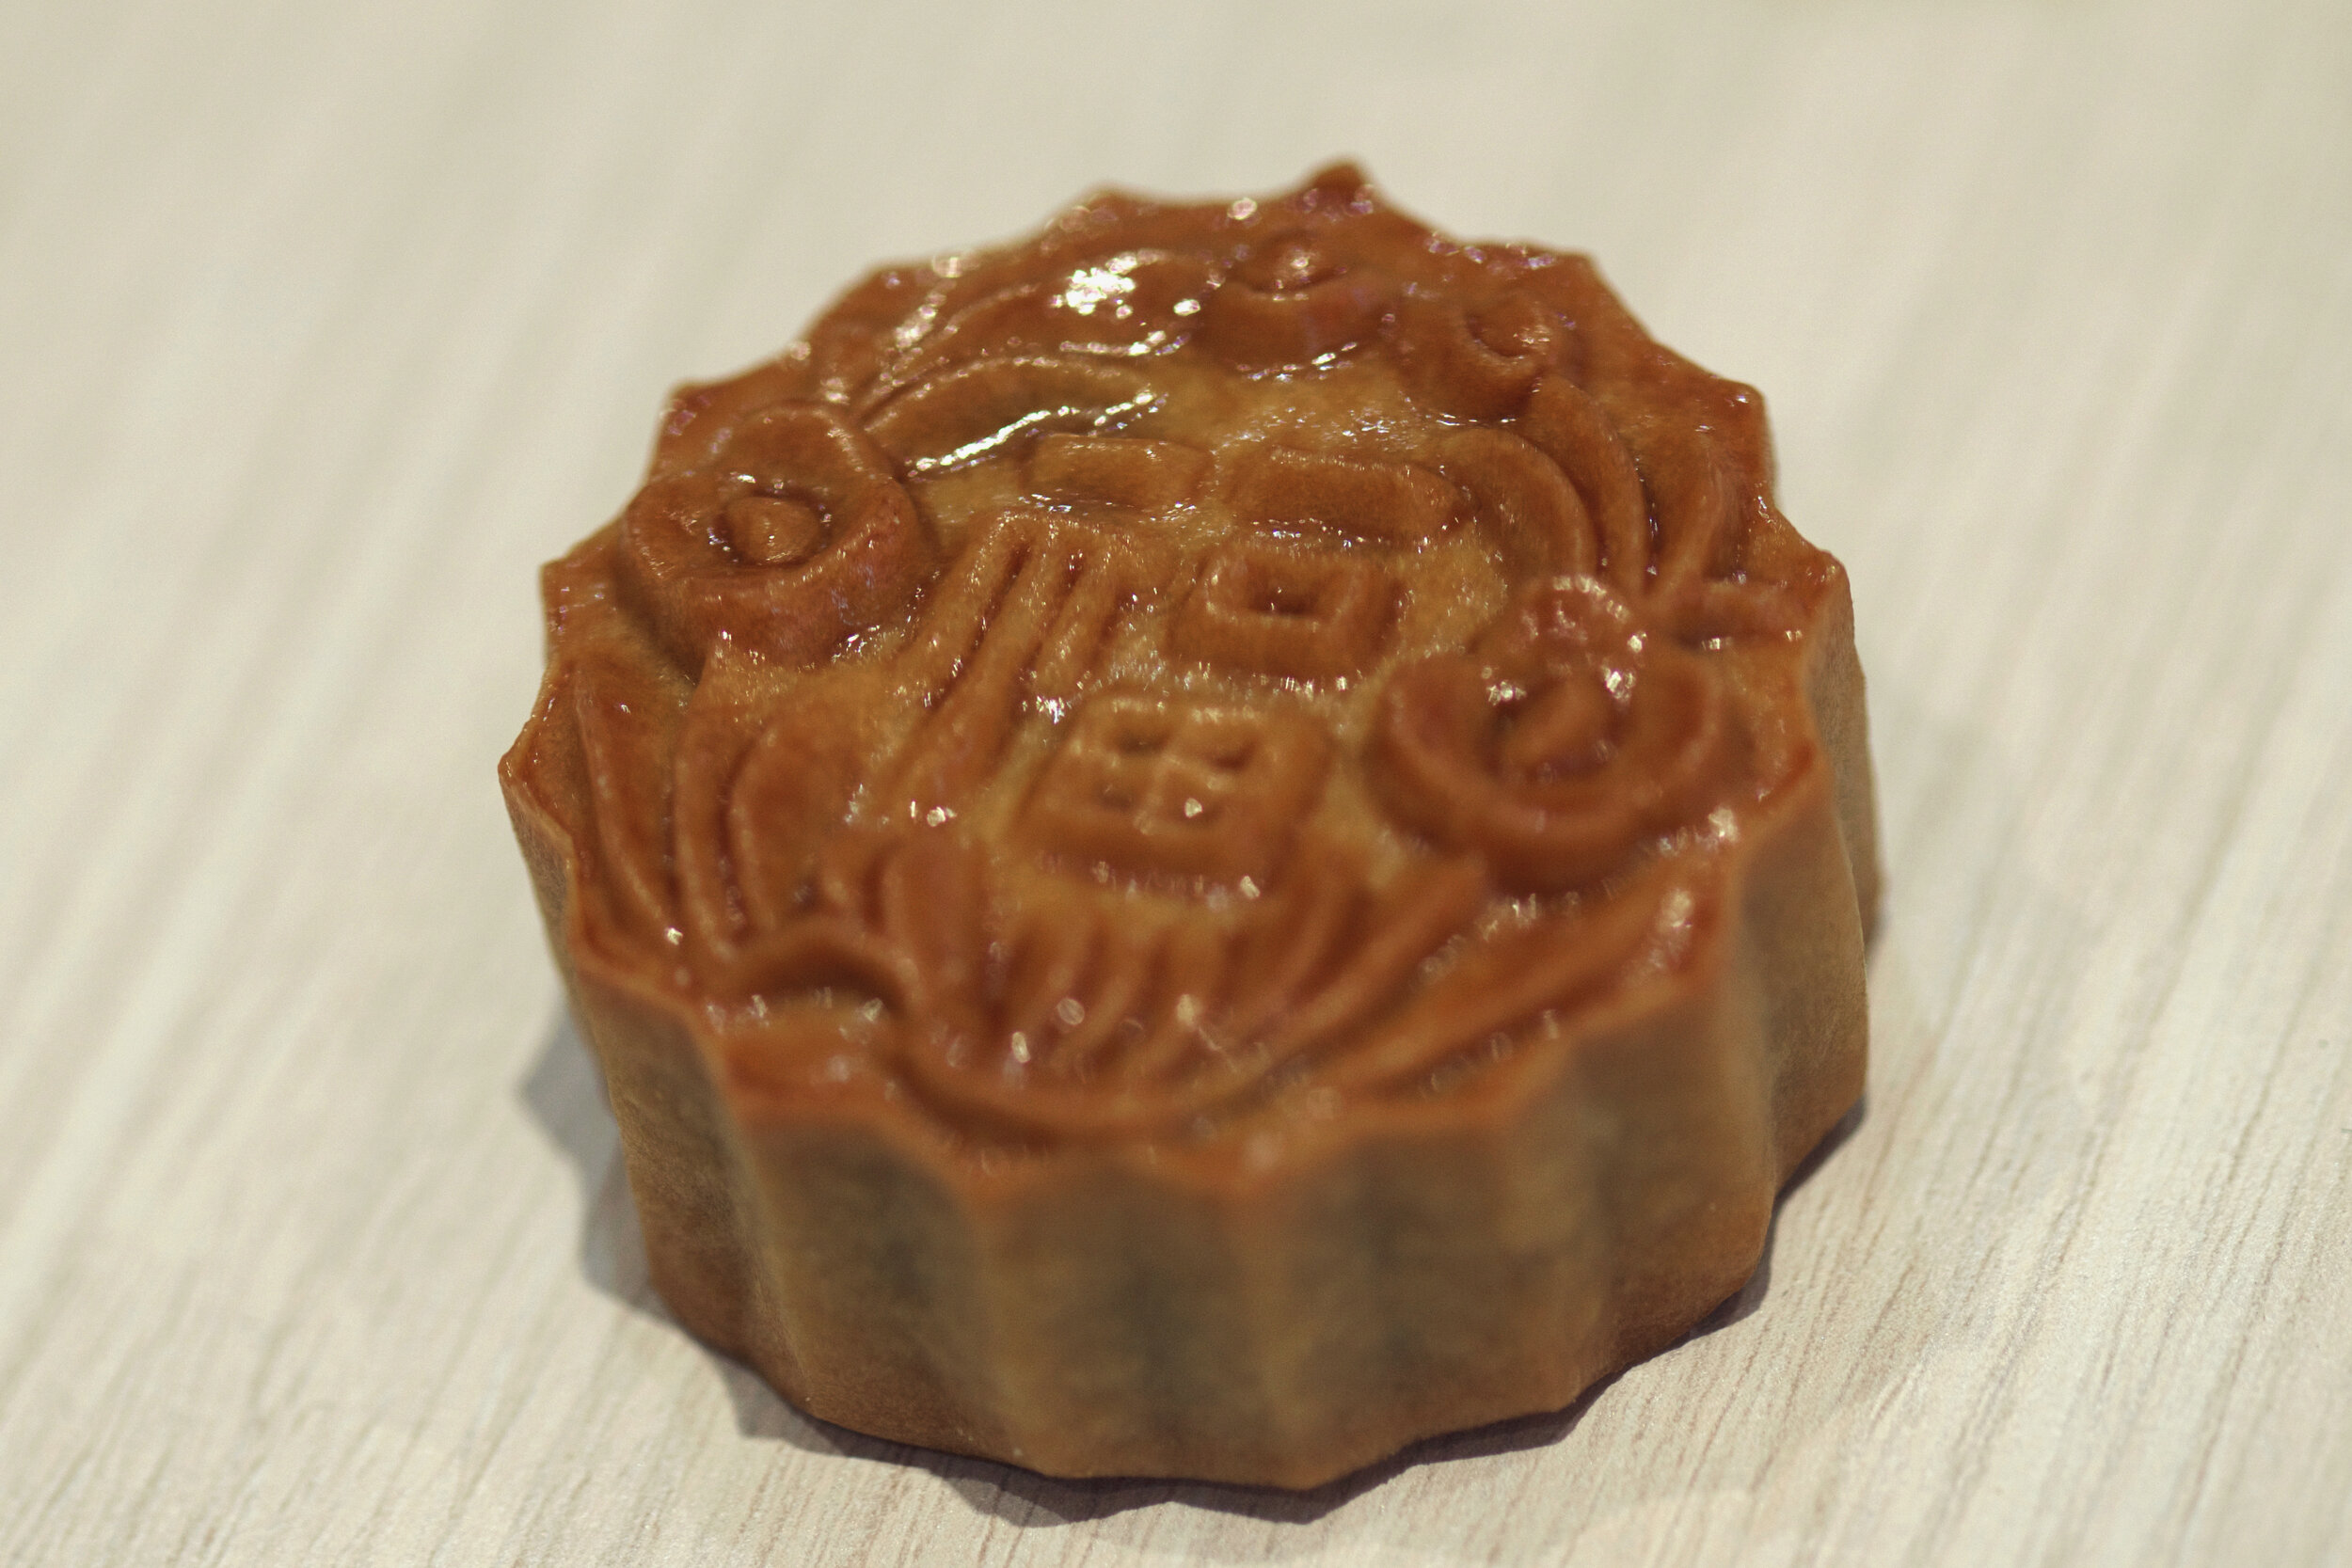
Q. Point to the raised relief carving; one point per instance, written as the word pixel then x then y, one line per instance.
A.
pixel 1290 302
pixel 1649 505
pixel 1140 302
pixel 793 536
pixel 1148 476
pixel 1176 655
pixel 1481 365
pixel 1565 738
pixel 1271 609
pixel 1022 622
pixel 784 802
pixel 1221 768
pixel 1385 503
pixel 1522 501
pixel 967 411
pixel 1156 786
pixel 1563 421
pixel 1094 1023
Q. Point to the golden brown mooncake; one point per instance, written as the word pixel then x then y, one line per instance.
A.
pixel 1206 843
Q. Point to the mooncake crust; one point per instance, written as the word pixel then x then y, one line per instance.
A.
pixel 1206 843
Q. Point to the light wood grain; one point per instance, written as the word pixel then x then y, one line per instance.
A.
pixel 323 324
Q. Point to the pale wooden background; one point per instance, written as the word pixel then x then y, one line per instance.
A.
pixel 321 324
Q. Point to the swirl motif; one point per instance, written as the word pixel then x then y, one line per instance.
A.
pixel 1481 367
pixel 1290 302
pixel 1568 737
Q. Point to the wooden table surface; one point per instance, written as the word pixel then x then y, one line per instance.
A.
pixel 322 323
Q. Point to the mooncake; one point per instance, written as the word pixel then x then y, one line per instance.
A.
pixel 1207 843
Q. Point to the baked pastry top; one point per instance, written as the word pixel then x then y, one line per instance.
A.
pixel 1207 843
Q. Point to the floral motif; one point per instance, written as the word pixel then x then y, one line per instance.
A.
pixel 793 536
pixel 1567 739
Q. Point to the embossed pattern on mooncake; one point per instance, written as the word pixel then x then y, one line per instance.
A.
pixel 1208 843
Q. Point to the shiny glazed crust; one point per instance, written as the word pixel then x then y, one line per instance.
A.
pixel 1208 844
